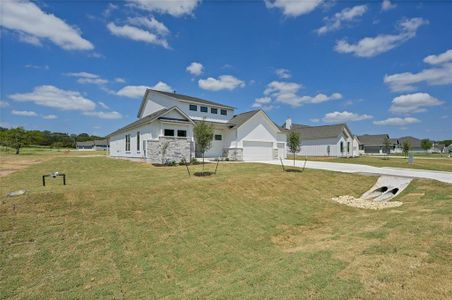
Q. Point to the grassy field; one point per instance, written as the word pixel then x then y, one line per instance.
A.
pixel 428 163
pixel 123 229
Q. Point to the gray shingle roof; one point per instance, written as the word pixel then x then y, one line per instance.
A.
pixel 414 142
pixel 372 139
pixel 239 119
pixel 319 132
pixel 193 99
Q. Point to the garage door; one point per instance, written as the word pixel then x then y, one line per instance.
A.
pixel 257 150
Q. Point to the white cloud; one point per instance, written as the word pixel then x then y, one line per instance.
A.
pixel 346 15
pixel 24 113
pixel 3 104
pixel 372 46
pixel 90 78
pixel 387 5
pixel 120 80
pixel 30 66
pixel 137 91
pixel 294 8
pixel 195 68
pixel 413 103
pixel 287 92
pixel 137 34
pixel 103 105
pixel 224 82
pixel 176 8
pixel 440 58
pixel 51 96
pixel 110 115
pixel 397 121
pixel 345 116
pixel 151 24
pixel 49 117
pixel 283 73
pixel 34 25
pixel 441 75
pixel 264 103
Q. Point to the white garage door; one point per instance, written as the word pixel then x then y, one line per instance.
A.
pixel 257 150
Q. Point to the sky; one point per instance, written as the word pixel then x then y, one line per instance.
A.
pixel 83 66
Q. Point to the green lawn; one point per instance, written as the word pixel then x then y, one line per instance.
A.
pixel 428 163
pixel 123 229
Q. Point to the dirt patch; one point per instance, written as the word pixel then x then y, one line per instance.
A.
pixel 11 164
pixel 367 204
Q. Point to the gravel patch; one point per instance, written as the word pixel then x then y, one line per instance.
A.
pixel 367 204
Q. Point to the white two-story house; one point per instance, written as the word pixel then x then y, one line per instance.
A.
pixel 164 131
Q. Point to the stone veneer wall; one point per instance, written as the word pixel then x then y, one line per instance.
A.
pixel 176 149
pixel 233 153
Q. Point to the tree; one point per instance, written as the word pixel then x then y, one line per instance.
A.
pixel 203 133
pixel 386 145
pixel 406 146
pixel 293 142
pixel 17 138
pixel 426 144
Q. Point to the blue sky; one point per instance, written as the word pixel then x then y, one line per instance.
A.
pixel 380 66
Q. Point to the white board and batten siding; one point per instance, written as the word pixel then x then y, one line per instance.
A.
pixel 258 137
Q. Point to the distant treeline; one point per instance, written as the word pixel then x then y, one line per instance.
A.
pixel 19 137
pixel 445 142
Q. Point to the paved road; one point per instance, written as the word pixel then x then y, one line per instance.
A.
pixel 357 168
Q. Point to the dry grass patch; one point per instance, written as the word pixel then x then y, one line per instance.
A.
pixel 122 229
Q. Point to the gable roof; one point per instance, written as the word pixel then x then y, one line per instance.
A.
pixel 240 119
pixel 414 142
pixel 373 139
pixel 320 132
pixel 150 118
pixel 183 98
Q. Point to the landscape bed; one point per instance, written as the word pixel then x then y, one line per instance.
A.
pixel 123 229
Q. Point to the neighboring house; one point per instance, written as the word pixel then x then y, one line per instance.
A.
pixel 164 131
pixel 414 143
pixel 327 140
pixel 356 143
pixel 438 148
pixel 96 145
pixel 372 143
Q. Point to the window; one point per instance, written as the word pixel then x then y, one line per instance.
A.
pixel 127 142
pixel 203 108
pixel 168 132
pixel 214 110
pixel 342 147
pixel 218 137
pixel 224 112
pixel 182 133
pixel 348 146
pixel 193 107
pixel 138 141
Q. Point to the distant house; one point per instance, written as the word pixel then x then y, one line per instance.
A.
pixel 327 140
pixel 372 143
pixel 438 148
pixel 96 145
pixel 414 143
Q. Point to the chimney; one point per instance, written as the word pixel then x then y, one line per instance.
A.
pixel 288 124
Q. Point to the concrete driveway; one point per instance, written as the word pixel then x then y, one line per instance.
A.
pixel 357 168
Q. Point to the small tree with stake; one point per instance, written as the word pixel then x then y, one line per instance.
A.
pixel 386 145
pixel 293 142
pixel 426 144
pixel 203 133
pixel 406 146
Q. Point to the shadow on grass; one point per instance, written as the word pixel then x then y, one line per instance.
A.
pixel 203 174
pixel 293 170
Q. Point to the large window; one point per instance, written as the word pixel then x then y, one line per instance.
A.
pixel 348 146
pixel 138 141
pixel 214 110
pixel 218 137
pixel 342 147
pixel 203 108
pixel 127 142
pixel 193 107
pixel 224 112
pixel 182 133
pixel 168 132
